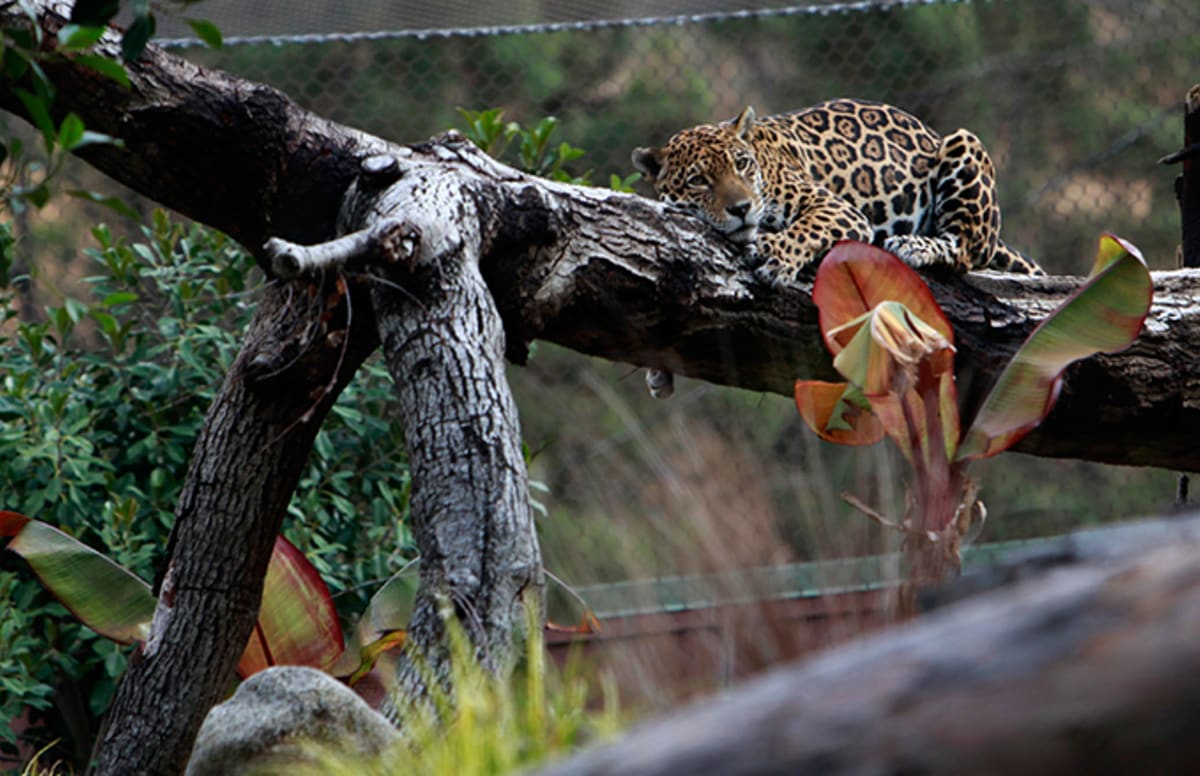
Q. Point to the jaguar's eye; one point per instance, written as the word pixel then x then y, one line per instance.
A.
pixel 742 163
pixel 697 182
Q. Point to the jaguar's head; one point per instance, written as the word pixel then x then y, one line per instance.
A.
pixel 711 170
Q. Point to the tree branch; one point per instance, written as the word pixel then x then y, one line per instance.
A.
pixel 608 274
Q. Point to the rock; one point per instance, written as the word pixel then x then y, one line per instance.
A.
pixel 264 727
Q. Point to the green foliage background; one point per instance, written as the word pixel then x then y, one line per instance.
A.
pixel 101 400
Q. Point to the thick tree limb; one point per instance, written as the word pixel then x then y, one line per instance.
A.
pixel 1089 669
pixel 248 458
pixel 444 345
pixel 608 274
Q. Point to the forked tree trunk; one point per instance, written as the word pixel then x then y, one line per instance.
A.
pixel 249 456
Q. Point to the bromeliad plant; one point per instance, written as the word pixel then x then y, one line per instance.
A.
pixel 895 348
pixel 297 622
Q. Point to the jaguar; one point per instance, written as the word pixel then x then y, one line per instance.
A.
pixel 790 186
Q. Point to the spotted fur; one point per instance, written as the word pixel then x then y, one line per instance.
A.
pixel 792 185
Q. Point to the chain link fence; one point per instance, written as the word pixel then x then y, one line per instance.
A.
pixel 1076 100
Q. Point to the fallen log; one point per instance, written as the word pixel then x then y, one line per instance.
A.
pixel 1092 667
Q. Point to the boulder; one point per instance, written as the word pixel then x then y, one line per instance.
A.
pixel 272 721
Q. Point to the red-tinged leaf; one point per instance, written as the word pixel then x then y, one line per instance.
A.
pixel 589 624
pixel 837 412
pixel 297 623
pixel 923 420
pixel 855 277
pixel 11 523
pixel 102 595
pixel 1104 315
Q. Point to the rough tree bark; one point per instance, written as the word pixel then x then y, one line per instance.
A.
pixel 604 273
pixel 248 458
pixel 1088 669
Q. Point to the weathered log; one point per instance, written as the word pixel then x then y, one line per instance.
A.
pixel 443 342
pixel 1087 669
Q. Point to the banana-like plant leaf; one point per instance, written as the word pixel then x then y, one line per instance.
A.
pixel 377 650
pixel 837 412
pixel 391 607
pixel 1103 315
pixel 297 623
pixel 855 277
pixel 886 345
pixel 102 595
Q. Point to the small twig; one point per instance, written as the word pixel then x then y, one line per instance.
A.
pixel 1181 155
pixel 572 592
pixel 391 241
pixel 871 513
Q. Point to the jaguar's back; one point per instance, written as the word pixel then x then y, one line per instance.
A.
pixel 794 184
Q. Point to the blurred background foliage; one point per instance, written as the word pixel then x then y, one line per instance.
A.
pixel 113 339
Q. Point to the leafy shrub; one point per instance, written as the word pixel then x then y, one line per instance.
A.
pixel 100 404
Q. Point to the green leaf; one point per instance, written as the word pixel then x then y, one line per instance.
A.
pixel 297 623
pixel 136 37
pixel 39 113
pixel 73 135
pixel 94 13
pixel 391 607
pixel 837 412
pixel 112 203
pixel 106 322
pixel 105 66
pixel 16 62
pixel 70 132
pixel 38 196
pixel 1104 315
pixel 73 37
pixel 119 298
pixel 617 183
pixel 102 595
pixel 207 32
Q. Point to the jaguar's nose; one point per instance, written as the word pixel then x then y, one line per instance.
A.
pixel 738 209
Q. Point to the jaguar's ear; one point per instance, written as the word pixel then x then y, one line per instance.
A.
pixel 744 122
pixel 648 161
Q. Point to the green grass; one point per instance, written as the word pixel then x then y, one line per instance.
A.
pixel 484 724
